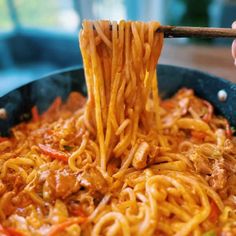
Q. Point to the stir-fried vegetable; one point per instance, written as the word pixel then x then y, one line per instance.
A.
pixel 55 154
pixel 8 231
pixel 210 233
pixel 214 212
pixel 35 114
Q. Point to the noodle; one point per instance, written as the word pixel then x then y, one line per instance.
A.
pixel 124 161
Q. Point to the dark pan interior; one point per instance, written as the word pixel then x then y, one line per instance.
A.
pixel 42 92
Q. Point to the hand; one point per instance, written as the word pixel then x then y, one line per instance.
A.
pixel 234 45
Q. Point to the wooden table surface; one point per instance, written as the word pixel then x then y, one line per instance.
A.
pixel 212 59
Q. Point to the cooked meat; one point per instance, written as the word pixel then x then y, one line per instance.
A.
pixel 202 166
pixel 183 104
pixel 92 178
pixel 219 175
pixel 21 200
pixel 140 156
pixel 200 163
pixel 229 155
pixel 208 161
pixel 74 101
pixel 62 183
pixel 13 181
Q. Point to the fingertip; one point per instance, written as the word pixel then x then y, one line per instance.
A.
pixel 234 25
pixel 234 49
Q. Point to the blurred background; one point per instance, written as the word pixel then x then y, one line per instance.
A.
pixel 38 37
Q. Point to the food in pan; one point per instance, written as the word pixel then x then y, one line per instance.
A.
pixel 123 161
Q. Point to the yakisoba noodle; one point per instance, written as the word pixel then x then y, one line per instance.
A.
pixel 123 162
pixel 125 92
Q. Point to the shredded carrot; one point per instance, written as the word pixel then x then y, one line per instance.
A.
pixel 55 154
pixel 228 130
pixel 213 217
pixel 78 211
pixel 61 227
pixel 8 231
pixel 198 134
pixel 207 117
pixel 35 114
pixel 13 232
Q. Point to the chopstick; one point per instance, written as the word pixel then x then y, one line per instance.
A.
pixel 196 32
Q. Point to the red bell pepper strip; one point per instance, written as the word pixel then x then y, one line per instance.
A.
pixel 35 114
pixel 228 130
pixel 213 217
pixel 78 211
pixel 55 154
pixel 3 139
pixel 198 134
pixel 8 231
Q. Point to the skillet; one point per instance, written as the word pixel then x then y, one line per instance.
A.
pixel 42 92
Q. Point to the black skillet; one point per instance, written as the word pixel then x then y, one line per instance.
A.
pixel 42 92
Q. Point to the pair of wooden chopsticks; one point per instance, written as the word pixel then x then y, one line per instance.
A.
pixel 198 32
